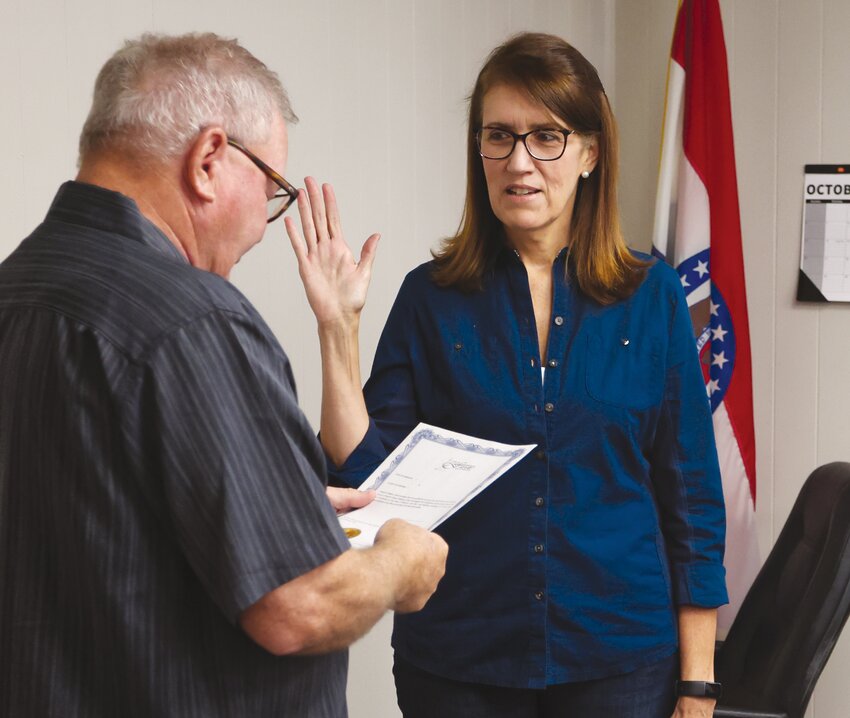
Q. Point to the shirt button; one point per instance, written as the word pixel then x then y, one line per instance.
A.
pixel 552 363
pixel 549 407
pixel 539 501
pixel 538 548
pixel 538 595
pixel 540 454
pixel 458 347
pixel 559 320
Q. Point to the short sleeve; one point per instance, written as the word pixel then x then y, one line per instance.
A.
pixel 241 473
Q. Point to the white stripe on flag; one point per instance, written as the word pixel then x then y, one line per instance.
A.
pixel 742 555
pixel 672 155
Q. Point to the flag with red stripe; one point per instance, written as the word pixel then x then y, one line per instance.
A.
pixel 698 231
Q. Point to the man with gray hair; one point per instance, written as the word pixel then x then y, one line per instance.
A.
pixel 167 546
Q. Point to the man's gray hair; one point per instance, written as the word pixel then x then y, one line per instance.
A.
pixel 156 93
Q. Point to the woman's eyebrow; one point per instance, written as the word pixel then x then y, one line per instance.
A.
pixel 548 125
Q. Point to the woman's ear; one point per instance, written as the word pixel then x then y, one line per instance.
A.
pixel 203 160
pixel 591 154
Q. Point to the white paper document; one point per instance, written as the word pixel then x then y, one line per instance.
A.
pixel 430 475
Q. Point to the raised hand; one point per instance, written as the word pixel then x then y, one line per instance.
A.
pixel 336 283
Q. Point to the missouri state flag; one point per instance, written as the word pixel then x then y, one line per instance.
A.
pixel 698 231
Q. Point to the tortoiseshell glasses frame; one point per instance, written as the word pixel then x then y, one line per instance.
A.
pixel 282 200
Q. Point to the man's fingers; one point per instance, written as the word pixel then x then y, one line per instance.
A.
pixel 347 499
pixel 359 499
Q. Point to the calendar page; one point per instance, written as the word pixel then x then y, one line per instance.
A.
pixel 825 254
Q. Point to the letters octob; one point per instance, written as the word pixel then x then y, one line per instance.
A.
pixel 828 189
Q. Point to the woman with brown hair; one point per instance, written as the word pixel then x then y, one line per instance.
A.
pixel 585 581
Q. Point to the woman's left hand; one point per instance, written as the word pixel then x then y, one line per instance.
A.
pixel 689 707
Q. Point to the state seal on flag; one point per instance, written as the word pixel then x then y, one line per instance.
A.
pixel 712 321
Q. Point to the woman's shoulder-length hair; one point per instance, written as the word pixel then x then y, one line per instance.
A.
pixel 557 76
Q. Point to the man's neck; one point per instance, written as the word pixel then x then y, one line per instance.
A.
pixel 155 190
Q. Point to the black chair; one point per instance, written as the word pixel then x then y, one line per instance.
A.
pixel 793 614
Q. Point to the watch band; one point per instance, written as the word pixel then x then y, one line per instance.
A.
pixel 699 689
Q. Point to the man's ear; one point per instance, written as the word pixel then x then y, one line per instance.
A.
pixel 203 162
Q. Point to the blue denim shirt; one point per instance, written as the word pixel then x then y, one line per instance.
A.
pixel 570 566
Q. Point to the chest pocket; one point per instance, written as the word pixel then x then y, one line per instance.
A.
pixel 624 371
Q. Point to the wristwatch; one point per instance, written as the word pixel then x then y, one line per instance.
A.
pixel 699 689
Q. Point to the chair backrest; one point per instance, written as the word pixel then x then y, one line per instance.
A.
pixel 794 612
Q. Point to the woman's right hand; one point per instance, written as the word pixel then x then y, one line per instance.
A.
pixel 336 284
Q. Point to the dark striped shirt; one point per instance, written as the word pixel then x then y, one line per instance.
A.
pixel 156 478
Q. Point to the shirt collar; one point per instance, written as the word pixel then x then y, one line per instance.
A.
pixel 100 208
pixel 509 253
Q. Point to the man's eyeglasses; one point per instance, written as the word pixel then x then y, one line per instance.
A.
pixel 281 201
pixel 497 143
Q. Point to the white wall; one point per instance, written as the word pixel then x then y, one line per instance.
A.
pixel 380 85
pixel 380 88
pixel 791 106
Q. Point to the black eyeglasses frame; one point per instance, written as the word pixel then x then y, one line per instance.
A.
pixel 523 138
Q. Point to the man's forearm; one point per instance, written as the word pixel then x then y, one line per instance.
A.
pixel 333 605
pixel 324 610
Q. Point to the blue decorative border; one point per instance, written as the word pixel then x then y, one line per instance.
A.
pixel 430 435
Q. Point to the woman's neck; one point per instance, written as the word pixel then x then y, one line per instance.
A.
pixel 536 250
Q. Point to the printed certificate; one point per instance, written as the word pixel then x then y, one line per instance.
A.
pixel 430 475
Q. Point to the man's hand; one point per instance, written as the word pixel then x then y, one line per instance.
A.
pixel 345 500
pixel 330 607
pixel 335 282
pixel 421 557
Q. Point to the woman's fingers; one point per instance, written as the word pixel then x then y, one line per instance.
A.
pixel 367 253
pixel 306 220
pixel 317 206
pixel 332 210
pixel 320 223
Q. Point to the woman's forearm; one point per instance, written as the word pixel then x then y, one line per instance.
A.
pixel 344 419
pixel 697 632
pixel 336 286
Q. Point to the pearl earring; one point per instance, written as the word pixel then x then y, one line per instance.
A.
pixel 585 174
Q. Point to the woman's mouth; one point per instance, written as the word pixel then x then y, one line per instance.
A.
pixel 522 191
